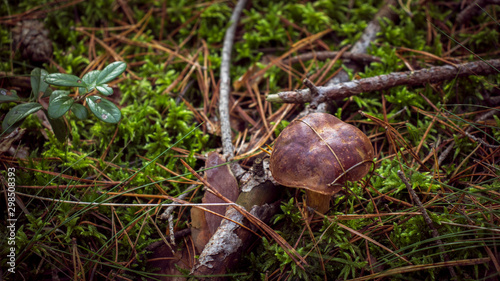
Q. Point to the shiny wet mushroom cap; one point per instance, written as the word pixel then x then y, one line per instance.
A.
pixel 319 152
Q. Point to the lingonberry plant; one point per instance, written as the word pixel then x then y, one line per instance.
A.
pixel 61 101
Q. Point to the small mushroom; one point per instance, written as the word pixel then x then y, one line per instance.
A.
pixel 319 153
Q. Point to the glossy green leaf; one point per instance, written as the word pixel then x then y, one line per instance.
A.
pixel 104 109
pixel 80 111
pixel 105 90
pixel 111 71
pixel 47 93
pixel 38 83
pixel 15 116
pixel 8 96
pixel 59 128
pixel 60 102
pixel 91 80
pixel 61 79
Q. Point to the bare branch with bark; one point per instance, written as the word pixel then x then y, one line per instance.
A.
pixel 225 82
pixel 474 9
pixel 383 82
pixel 324 55
pixel 359 48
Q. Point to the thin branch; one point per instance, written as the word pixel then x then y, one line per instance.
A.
pixel 428 221
pixel 359 48
pixel 324 55
pixel 168 214
pixel 450 147
pixel 383 82
pixel 481 141
pixel 474 9
pixel 225 88
pixel 369 35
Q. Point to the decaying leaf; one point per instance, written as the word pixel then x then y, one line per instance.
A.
pixel 205 224
pixel 6 141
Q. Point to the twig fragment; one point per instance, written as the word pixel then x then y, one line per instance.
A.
pixel 428 221
pixel 383 82
pixel 168 213
pixel 225 83
pixel 324 55
pixel 474 9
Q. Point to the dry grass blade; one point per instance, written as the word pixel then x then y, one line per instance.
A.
pixel 391 129
pixel 295 47
pixel 178 201
pixel 264 139
pixel 420 267
pixel 373 241
pixel 77 179
pixel 428 221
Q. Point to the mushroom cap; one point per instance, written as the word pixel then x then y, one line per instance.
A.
pixel 307 154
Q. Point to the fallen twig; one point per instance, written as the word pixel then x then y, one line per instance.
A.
pixel 360 47
pixel 324 55
pixel 474 9
pixel 428 221
pixel 168 213
pixel 383 82
pixel 368 36
pixel 225 83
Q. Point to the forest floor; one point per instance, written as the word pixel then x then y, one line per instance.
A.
pixel 122 121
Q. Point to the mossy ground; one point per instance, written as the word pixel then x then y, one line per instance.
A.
pixel 163 99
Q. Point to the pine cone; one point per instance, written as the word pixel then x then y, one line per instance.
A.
pixel 30 37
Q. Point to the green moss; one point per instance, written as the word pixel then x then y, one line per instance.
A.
pixel 153 120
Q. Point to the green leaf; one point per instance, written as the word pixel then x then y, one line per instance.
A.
pixel 8 96
pixel 91 80
pixel 16 115
pixel 111 71
pixel 105 90
pixel 47 93
pixel 60 102
pixel 80 111
pixel 104 109
pixel 61 79
pixel 60 129
pixel 38 83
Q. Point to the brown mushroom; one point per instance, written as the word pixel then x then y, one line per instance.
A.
pixel 319 153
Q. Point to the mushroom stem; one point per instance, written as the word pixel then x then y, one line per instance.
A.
pixel 319 202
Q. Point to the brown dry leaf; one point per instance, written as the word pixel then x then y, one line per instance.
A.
pixel 199 229
pixel 204 224
pixel 167 263
pixel 6 141
pixel 243 80
pixel 222 179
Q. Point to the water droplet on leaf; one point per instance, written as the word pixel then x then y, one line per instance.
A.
pixel 104 116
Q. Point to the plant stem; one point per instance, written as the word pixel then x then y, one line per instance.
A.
pixel 319 202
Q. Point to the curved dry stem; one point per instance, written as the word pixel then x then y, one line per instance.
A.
pixel 225 87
